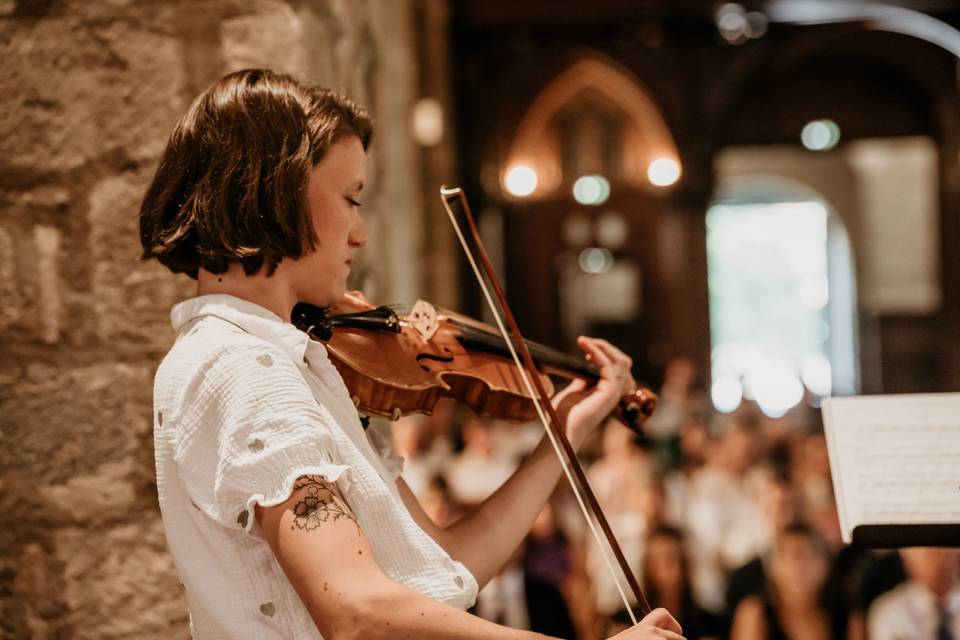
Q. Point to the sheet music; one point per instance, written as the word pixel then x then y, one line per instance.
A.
pixel 894 459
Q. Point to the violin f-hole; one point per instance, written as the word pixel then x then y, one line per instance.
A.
pixel 432 357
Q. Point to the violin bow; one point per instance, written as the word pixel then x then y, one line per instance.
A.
pixel 541 400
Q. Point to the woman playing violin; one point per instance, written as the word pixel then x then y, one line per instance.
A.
pixel 284 520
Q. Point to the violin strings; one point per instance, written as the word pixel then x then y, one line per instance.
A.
pixel 604 552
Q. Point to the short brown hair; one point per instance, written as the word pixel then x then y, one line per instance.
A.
pixel 231 186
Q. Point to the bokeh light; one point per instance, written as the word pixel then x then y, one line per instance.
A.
pixel 427 122
pixel 817 375
pixel 820 135
pixel 591 190
pixel 726 392
pixel 663 172
pixel 520 180
pixel 595 260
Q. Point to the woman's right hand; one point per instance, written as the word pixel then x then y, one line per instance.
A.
pixel 656 625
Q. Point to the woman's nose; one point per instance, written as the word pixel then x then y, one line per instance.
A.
pixel 358 234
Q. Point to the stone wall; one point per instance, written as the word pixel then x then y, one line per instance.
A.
pixel 91 90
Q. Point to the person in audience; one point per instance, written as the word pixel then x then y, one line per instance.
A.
pixel 481 468
pixel 694 446
pixel 438 504
pixel 677 399
pixel 621 470
pixel 881 572
pixel 621 479
pixel 552 556
pixel 520 599
pixel 927 605
pixel 411 443
pixel 548 551
pixel 779 506
pixel 694 442
pixel 792 607
pixel 666 583
pixel 722 517
pixel 811 472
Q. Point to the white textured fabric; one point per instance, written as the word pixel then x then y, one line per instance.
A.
pixel 244 404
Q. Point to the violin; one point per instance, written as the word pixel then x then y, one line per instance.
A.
pixel 397 361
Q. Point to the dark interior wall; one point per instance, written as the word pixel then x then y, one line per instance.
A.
pixel 502 65
pixel 714 95
pixel 873 85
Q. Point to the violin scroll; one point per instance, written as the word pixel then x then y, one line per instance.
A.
pixel 636 407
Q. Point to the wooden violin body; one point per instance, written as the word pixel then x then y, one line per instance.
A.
pixel 397 363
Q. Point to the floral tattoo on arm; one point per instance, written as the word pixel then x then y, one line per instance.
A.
pixel 318 503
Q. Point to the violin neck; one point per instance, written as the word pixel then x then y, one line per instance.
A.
pixel 475 338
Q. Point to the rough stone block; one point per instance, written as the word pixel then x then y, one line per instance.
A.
pixel 112 88
pixel 46 240
pixel 10 299
pixel 39 273
pixel 131 299
pixel 120 582
pixel 36 584
pixel 272 37
pixel 64 422
pixel 107 494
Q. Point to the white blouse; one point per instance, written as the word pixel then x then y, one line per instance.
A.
pixel 244 403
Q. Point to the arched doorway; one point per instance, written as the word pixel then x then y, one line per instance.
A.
pixel 582 237
pixel 782 295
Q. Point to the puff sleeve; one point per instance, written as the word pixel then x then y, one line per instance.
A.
pixel 251 429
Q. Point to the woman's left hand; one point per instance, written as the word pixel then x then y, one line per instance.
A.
pixel 583 408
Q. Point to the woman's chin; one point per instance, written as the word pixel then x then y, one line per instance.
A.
pixel 327 298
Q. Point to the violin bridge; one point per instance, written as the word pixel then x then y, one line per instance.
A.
pixel 423 318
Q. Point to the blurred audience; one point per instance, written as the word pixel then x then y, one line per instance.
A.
pixel 728 520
